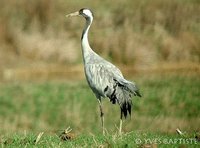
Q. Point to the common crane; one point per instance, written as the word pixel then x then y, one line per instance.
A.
pixel 104 78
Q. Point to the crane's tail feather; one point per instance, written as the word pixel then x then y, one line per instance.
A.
pixel 122 94
pixel 123 98
pixel 126 108
pixel 129 86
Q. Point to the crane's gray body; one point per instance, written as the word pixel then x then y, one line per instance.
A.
pixel 106 80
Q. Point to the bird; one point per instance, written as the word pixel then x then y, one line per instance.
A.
pixel 104 78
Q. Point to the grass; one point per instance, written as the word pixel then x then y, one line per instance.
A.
pixel 134 139
pixel 169 101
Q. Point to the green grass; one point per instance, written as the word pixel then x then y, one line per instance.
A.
pixel 169 101
pixel 128 140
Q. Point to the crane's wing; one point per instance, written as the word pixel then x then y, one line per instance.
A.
pixel 102 74
pixel 119 79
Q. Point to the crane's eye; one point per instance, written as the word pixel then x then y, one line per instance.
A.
pixel 81 11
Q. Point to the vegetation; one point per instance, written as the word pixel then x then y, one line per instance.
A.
pixel 140 33
pixel 134 139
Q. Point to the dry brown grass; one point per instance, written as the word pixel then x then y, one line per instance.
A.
pixel 139 33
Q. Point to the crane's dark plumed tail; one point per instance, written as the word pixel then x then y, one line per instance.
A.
pixel 122 94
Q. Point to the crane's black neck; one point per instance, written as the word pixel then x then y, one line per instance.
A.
pixel 87 27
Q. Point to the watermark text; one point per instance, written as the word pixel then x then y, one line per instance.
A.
pixel 165 141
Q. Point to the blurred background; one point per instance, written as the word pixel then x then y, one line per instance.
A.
pixel 155 43
pixel 35 35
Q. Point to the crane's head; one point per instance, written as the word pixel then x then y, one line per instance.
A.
pixel 85 12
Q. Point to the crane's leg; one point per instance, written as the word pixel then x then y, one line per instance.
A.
pixel 120 124
pixel 101 115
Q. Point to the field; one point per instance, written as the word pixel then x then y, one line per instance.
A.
pixel 42 86
pixel 169 101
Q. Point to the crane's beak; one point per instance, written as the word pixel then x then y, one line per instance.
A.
pixel 73 14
